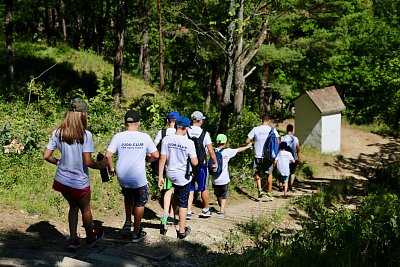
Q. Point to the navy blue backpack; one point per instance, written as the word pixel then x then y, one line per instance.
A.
pixel 218 155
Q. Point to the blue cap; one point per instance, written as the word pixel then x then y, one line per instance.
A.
pixel 173 115
pixel 183 121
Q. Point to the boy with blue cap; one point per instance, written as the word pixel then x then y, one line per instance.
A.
pixel 167 189
pixel 175 152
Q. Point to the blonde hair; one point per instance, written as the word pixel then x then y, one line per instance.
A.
pixel 72 128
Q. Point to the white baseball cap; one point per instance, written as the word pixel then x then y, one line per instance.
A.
pixel 197 116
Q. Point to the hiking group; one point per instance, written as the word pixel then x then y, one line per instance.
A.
pixel 178 158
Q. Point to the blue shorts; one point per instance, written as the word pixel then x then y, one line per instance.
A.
pixel 139 196
pixel 282 178
pixel 201 180
pixel 181 192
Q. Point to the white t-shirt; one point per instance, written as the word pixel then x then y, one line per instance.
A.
pixel 177 149
pixel 170 131
pixel 71 170
pixel 132 147
pixel 227 154
pixel 260 133
pixel 283 160
pixel 196 132
pixel 292 142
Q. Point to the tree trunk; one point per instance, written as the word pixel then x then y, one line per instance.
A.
pixel 208 92
pixel 243 57
pixel 101 25
pixel 64 25
pixel 239 88
pixel 230 67
pixel 218 89
pixel 120 29
pixel 160 46
pixel 144 61
pixel 396 121
pixel 264 88
pixel 9 30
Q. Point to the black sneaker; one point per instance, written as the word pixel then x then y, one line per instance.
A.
pixel 172 221
pixel 73 244
pixel 185 234
pixel 140 236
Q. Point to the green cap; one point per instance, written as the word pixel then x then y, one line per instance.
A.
pixel 221 138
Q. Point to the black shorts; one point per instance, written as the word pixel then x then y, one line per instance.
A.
pixel 262 165
pixel 182 195
pixel 221 190
pixel 293 167
pixel 140 195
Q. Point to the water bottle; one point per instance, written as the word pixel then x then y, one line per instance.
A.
pixel 103 172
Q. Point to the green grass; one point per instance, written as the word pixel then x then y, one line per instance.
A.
pixel 34 60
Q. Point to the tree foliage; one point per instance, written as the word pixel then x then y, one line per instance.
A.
pixel 309 44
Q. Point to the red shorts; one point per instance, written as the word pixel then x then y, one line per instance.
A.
pixel 76 193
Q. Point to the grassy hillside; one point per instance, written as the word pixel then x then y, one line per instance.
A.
pixel 67 71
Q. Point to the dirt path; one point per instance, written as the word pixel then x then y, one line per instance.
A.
pixel 27 240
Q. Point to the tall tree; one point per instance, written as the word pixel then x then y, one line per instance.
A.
pixel 229 71
pixel 244 54
pixel 160 45
pixel 118 60
pixel 9 30
pixel 144 59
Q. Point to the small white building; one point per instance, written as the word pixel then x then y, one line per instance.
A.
pixel 318 119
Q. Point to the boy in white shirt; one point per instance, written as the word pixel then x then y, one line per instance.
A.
pixel 201 179
pixel 221 183
pixel 282 162
pixel 133 148
pixel 293 146
pixel 175 152
pixel 167 190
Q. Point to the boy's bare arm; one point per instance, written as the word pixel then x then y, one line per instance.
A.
pixel 161 165
pixel 243 148
pixel 153 156
pixel 109 157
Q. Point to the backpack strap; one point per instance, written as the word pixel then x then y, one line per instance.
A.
pixel 202 135
pixel 163 133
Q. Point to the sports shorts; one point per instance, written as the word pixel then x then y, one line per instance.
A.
pixel 76 193
pixel 221 191
pixel 139 195
pixel 201 180
pixel 262 165
pixel 293 167
pixel 181 192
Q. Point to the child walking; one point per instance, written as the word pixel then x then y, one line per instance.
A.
pixel 221 183
pixel 167 190
pixel 134 148
pixel 75 143
pixel 176 151
pixel 282 162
